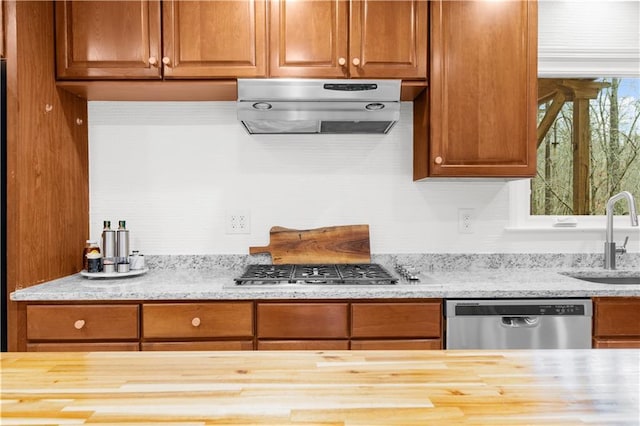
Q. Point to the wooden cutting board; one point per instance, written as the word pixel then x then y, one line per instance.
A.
pixel 334 244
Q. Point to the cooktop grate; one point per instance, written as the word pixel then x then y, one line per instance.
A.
pixel 332 274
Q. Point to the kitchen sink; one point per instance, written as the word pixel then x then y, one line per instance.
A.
pixel 632 279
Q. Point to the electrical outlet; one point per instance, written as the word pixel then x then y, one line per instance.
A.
pixel 238 222
pixel 466 221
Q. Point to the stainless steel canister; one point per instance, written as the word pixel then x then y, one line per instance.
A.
pixel 122 236
pixel 108 241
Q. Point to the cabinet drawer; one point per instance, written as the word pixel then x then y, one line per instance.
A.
pixel 616 317
pixel 396 344
pixel 231 345
pixel 396 319
pixel 303 320
pixel 83 347
pixel 616 343
pixel 82 322
pixel 197 320
pixel 303 345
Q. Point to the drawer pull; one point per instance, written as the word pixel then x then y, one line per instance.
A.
pixel 195 322
pixel 79 324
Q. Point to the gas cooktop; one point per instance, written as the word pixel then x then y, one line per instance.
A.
pixel 331 274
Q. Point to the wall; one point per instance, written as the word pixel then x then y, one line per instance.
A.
pixel 173 170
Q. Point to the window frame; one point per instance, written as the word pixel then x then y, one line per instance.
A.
pixel 520 217
pixel 614 55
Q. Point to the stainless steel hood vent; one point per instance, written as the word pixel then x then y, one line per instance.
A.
pixel 291 105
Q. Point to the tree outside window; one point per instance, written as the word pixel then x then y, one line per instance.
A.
pixel 588 145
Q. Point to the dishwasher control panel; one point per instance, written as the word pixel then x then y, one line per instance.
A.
pixel 529 310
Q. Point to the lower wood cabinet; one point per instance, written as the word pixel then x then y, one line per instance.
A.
pixel 616 322
pixel 396 325
pixel 82 328
pixel 232 325
pixel 197 326
pixel 384 324
pixel 349 325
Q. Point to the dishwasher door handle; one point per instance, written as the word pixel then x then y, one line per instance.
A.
pixel 520 322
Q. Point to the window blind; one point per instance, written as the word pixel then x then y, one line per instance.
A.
pixel 589 38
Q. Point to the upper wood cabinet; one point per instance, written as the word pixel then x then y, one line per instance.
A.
pixel 1 29
pixel 214 38
pixel 108 39
pixel 341 38
pixel 124 39
pixel 479 116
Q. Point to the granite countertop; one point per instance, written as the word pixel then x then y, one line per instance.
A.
pixel 455 276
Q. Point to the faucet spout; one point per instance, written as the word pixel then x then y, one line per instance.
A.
pixel 610 245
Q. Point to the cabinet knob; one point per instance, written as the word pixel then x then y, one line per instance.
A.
pixel 78 324
pixel 342 62
pixel 153 60
pixel 356 62
pixel 195 322
pixel 166 60
pixel 438 160
pixel 79 121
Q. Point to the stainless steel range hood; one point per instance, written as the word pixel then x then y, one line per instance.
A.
pixel 292 105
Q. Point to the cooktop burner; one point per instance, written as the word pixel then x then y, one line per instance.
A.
pixel 333 274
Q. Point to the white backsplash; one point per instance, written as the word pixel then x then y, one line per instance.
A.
pixel 173 170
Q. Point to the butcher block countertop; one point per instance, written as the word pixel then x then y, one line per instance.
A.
pixel 596 387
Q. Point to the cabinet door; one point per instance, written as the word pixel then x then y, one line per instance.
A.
pixel 617 317
pixel 308 38
pixel 108 39
pixel 1 29
pixel 388 39
pixel 214 38
pixel 483 87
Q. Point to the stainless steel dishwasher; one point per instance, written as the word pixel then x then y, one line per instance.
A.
pixel 518 324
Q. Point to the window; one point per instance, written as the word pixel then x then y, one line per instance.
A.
pixel 588 145
pixel 588 115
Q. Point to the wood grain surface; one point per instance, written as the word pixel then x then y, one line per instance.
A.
pixel 331 388
pixel 47 174
pixel 333 244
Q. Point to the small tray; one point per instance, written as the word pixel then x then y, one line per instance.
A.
pixel 133 273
